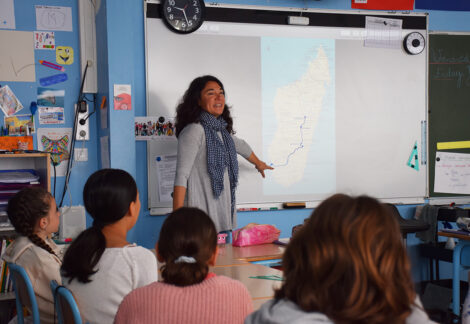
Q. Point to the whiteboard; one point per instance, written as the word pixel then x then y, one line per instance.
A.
pixel 330 114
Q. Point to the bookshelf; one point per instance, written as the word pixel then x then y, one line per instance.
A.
pixel 40 162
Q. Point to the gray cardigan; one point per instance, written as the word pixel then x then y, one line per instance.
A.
pixel 191 172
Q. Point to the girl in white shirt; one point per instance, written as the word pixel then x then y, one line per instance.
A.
pixel 101 267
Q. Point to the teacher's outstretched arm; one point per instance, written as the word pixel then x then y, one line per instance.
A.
pixel 179 192
pixel 259 165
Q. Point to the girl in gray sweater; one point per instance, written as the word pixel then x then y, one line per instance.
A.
pixel 347 264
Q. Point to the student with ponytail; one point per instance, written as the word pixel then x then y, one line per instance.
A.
pixel 33 212
pixel 101 267
pixel 189 293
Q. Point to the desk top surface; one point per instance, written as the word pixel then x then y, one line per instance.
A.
pixel 232 255
pixel 258 288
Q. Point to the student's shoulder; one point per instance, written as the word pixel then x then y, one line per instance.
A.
pixel 139 253
pixel 229 283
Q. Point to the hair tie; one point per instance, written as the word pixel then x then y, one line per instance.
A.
pixel 185 259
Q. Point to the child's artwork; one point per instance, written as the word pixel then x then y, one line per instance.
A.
pixel 20 124
pixel 122 97
pixel 64 55
pixel 44 40
pixel 8 101
pixel 57 141
pixel 50 97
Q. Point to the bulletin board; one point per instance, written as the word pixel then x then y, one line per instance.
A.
pixel 329 113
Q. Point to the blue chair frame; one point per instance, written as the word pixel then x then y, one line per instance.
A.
pixel 24 293
pixel 65 304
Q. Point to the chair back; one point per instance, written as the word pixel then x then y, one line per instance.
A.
pixel 65 305
pixel 24 293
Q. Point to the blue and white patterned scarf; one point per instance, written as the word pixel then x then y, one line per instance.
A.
pixel 220 154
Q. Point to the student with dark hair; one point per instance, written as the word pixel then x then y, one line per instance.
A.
pixel 207 166
pixel 189 293
pixel 347 264
pixel 33 212
pixel 100 267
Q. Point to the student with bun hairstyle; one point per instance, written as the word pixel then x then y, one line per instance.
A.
pixel 189 293
pixel 33 212
pixel 101 267
pixel 347 264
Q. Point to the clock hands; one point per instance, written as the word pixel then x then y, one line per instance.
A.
pixel 184 12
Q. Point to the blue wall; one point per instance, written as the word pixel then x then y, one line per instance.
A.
pixel 121 60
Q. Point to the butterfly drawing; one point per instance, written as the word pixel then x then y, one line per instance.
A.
pixel 59 147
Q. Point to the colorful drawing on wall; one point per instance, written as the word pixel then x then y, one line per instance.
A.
pixel 57 141
pixel 122 97
pixel 58 147
pixel 10 143
pixel 64 55
pixel 50 97
pixel 8 101
pixel 20 124
pixel 44 40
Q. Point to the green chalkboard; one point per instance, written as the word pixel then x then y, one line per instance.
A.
pixel 449 96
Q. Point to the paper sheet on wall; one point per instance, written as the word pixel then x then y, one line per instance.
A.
pixel 17 56
pixel 54 18
pixel 57 141
pixel 7 14
pixel 452 173
pixel 166 170
pixel 104 144
pixel 383 32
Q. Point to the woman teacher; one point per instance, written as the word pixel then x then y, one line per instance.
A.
pixel 207 166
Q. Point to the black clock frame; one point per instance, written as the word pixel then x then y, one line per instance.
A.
pixel 163 13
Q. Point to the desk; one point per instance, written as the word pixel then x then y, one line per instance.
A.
pixel 261 290
pixel 232 255
pixel 464 242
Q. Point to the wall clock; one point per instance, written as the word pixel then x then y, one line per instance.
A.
pixel 183 16
pixel 414 43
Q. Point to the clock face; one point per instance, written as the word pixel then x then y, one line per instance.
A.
pixel 414 43
pixel 183 16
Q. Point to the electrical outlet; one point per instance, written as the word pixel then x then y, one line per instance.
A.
pixel 83 126
pixel 81 154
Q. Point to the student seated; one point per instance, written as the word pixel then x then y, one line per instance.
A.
pixel 33 212
pixel 347 264
pixel 100 267
pixel 189 293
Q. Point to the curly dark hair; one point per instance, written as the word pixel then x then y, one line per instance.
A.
pixel 188 110
pixel 25 209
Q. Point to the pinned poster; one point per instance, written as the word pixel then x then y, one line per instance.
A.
pixel 383 4
pixel 64 55
pixel 122 97
pixel 44 40
pixel 452 173
pixel 9 103
pixel 7 14
pixel 413 160
pixel 54 18
pixel 454 5
pixel 57 142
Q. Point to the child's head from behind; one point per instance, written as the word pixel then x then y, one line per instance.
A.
pixel 108 194
pixel 33 212
pixel 348 262
pixel 187 243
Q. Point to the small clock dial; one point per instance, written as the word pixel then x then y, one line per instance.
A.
pixel 414 43
pixel 183 16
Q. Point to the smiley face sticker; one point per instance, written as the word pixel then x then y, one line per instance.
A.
pixel 64 55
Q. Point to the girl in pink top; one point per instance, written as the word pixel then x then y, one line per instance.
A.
pixel 188 293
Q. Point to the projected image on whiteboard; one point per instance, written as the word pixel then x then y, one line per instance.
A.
pixel 298 89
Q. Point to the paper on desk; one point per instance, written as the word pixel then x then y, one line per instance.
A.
pixel 452 173
pixel 383 32
pixel 166 170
